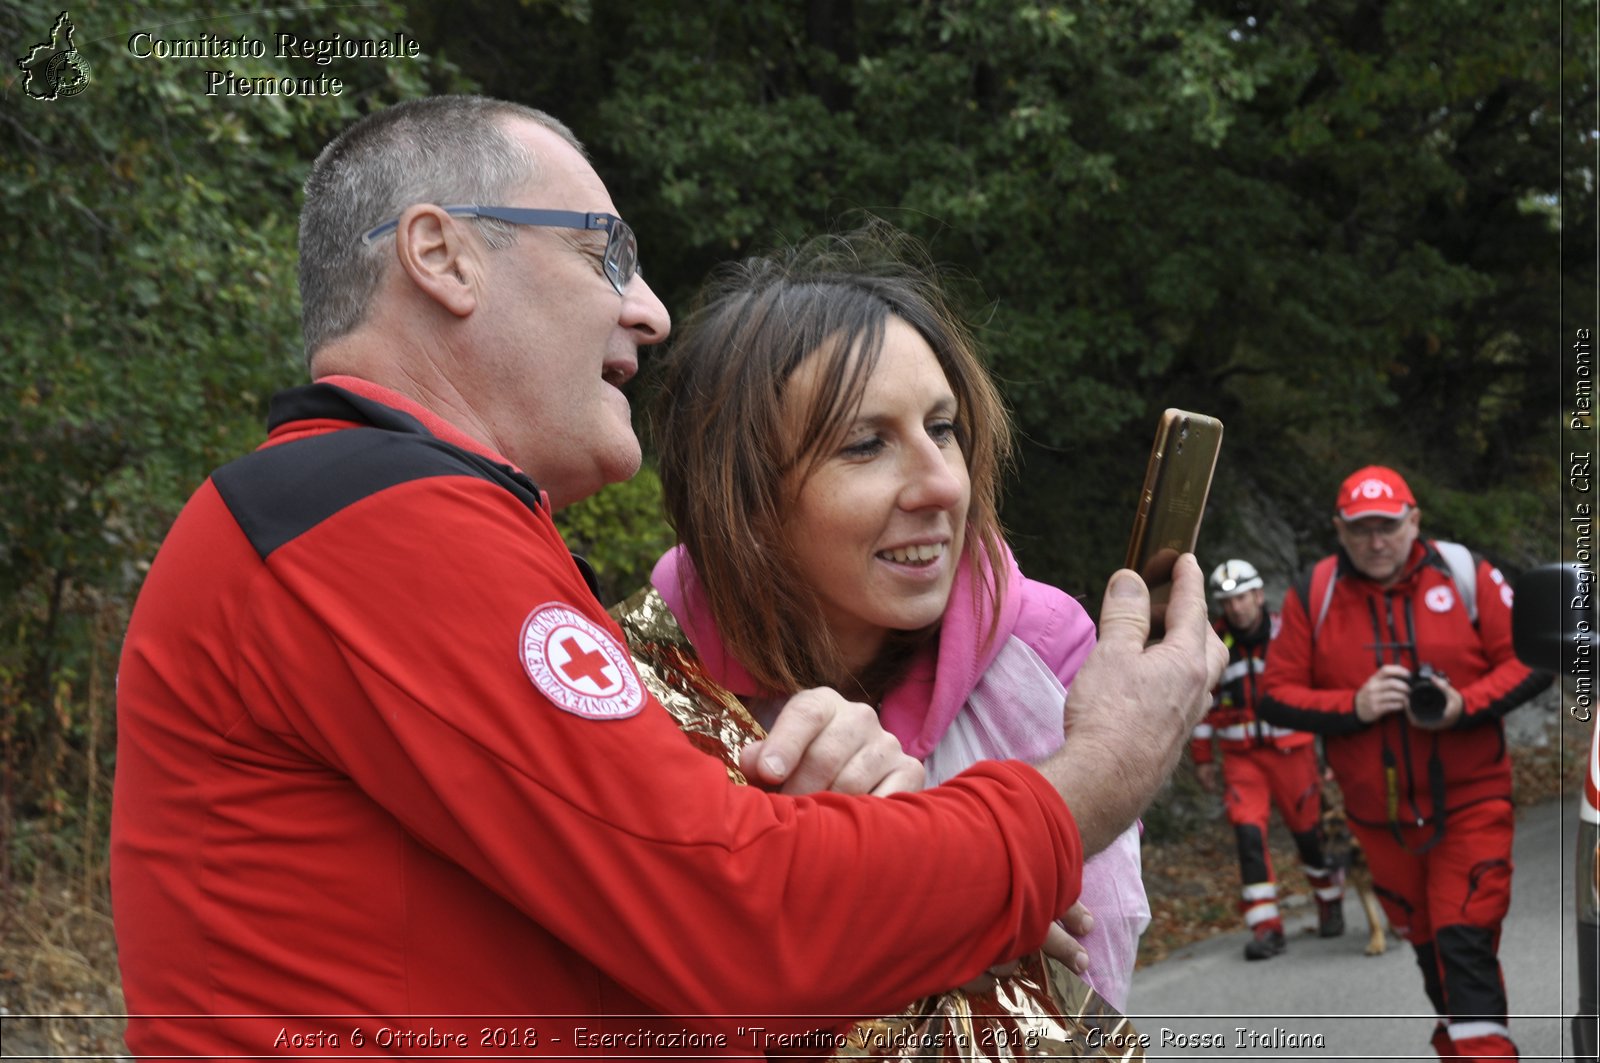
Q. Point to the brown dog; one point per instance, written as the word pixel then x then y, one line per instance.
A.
pixel 1344 852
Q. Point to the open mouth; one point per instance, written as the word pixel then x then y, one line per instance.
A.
pixel 919 556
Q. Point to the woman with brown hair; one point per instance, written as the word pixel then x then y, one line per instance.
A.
pixel 830 449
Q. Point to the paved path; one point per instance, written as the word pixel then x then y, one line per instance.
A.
pixel 1207 1002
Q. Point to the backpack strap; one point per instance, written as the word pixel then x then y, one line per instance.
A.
pixel 1316 592
pixel 1463 572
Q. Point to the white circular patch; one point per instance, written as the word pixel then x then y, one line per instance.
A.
pixel 1439 599
pixel 1372 489
pixel 578 665
pixel 1506 595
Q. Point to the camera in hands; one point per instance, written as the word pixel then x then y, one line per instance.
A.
pixel 1427 700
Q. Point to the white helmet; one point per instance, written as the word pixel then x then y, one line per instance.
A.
pixel 1233 577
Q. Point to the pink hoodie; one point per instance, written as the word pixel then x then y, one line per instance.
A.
pixel 966 699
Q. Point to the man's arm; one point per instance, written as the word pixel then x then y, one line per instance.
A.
pixel 1509 682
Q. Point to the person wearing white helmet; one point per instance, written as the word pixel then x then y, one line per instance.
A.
pixel 1261 765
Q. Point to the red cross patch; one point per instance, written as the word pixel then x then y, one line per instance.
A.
pixel 577 665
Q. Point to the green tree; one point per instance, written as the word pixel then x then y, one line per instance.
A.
pixel 1330 224
pixel 149 310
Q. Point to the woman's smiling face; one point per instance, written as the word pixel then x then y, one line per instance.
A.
pixel 877 525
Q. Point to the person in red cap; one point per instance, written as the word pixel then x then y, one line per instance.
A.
pixel 1398 650
pixel 1262 765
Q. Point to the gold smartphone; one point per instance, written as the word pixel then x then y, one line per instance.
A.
pixel 1177 480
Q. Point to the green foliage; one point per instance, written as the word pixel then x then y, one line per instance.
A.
pixel 620 531
pixel 150 310
pixel 1324 223
pixel 1510 524
pixel 1355 231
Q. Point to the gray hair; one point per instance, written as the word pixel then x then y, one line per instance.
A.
pixel 442 149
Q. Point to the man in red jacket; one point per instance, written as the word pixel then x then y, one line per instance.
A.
pixel 1262 765
pixel 1398 650
pixel 387 780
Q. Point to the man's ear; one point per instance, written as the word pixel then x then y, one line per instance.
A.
pixel 438 256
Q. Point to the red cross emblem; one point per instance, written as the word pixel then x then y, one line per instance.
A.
pixel 584 664
pixel 578 665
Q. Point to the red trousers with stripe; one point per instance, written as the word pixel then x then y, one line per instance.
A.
pixel 1253 781
pixel 1449 902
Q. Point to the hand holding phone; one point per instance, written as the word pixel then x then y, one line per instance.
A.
pixel 1177 481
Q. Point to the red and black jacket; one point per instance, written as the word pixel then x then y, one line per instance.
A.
pixel 342 790
pixel 1390 771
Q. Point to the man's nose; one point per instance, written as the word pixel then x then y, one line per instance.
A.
pixel 644 313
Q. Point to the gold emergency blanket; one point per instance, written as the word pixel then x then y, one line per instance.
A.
pixel 1041 1011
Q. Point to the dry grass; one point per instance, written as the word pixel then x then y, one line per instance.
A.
pixel 58 958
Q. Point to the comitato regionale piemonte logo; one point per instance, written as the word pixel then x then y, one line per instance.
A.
pixel 55 69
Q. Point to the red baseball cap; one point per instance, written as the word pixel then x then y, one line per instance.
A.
pixel 1375 491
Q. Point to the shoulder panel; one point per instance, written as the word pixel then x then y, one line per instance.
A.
pixel 279 493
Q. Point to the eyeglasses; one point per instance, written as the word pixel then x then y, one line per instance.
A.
pixel 621 257
pixel 1372 529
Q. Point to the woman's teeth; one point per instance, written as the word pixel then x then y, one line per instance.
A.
pixel 913 555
